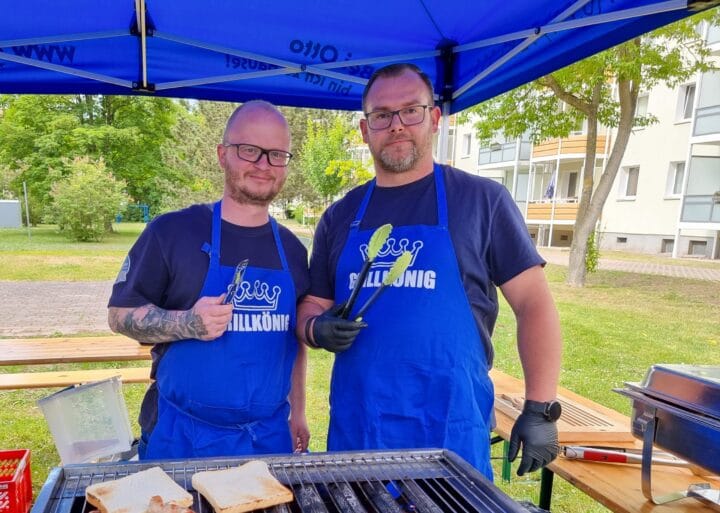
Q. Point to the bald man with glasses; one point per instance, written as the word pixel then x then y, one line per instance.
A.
pixel 214 289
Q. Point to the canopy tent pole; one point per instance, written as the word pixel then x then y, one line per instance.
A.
pixel 444 134
pixel 141 27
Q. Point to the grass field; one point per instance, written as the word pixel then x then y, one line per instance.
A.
pixel 613 330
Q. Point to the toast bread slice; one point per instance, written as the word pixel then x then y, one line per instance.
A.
pixel 245 488
pixel 132 494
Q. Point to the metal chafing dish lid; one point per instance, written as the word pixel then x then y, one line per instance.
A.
pixel 692 387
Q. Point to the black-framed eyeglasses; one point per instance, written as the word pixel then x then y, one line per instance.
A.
pixel 382 119
pixel 252 153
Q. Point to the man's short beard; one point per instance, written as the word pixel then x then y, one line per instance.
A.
pixel 400 165
pixel 245 197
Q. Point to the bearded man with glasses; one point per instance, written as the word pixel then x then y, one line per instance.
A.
pixel 214 289
pixel 413 372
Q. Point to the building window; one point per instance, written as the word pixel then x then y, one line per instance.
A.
pixel 667 246
pixel 641 109
pixel 697 247
pixel 572 185
pixel 686 100
pixel 629 182
pixel 621 240
pixel 676 175
pixel 466 143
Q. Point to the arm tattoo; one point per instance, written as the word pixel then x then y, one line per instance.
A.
pixel 150 324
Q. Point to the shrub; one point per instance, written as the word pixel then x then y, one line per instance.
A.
pixel 593 254
pixel 86 201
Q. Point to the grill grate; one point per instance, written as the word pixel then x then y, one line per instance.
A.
pixel 432 481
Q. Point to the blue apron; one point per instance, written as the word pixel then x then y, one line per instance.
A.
pixel 417 376
pixel 228 396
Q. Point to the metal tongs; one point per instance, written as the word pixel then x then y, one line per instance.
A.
pixel 236 281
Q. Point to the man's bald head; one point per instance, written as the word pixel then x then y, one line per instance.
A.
pixel 246 110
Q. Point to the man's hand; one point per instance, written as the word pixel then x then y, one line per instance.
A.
pixel 333 333
pixel 539 439
pixel 208 318
pixel 300 432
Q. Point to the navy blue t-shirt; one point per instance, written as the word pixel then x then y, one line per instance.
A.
pixel 491 241
pixel 167 267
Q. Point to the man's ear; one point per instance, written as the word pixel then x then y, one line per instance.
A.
pixel 222 155
pixel 364 129
pixel 435 114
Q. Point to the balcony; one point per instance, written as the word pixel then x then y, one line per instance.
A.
pixel 496 153
pixel 701 208
pixel 572 145
pixel 543 211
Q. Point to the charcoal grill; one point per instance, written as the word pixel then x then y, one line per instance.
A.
pixel 424 481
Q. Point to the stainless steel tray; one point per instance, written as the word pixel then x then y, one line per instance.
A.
pixel 693 387
pixel 689 435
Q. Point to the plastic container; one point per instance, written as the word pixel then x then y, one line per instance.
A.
pixel 89 423
pixel 15 481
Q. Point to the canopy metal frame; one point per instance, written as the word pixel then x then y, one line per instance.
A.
pixel 143 29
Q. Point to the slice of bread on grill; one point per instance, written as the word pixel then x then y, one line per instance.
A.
pixel 133 493
pixel 245 488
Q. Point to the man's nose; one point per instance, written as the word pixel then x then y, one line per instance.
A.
pixel 396 123
pixel 263 161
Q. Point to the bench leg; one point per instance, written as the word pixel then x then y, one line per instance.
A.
pixel 546 485
pixel 506 468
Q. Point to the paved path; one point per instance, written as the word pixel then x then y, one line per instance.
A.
pixel 560 257
pixel 53 308
pixel 30 308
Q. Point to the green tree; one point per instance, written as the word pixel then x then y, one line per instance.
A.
pixel 326 146
pixel 87 199
pixel 191 153
pixel 603 89
pixel 42 134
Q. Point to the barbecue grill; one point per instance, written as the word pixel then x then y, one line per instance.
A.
pixel 432 481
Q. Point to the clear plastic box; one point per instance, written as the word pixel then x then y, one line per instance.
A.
pixel 89 423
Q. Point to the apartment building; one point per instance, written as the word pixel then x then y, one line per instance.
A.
pixel 666 196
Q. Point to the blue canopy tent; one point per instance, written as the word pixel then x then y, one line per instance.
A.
pixel 308 53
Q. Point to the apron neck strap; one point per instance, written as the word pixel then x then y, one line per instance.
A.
pixel 215 238
pixel 442 211
pixel 278 243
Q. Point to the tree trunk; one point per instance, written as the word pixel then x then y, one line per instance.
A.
pixel 592 202
pixel 583 225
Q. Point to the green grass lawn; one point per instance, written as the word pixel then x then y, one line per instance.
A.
pixel 613 330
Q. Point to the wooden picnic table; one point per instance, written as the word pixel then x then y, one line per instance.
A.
pixel 35 351
pixel 39 351
pixel 616 486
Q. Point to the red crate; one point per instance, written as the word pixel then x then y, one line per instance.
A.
pixel 15 481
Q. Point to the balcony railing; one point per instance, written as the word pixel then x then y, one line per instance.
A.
pixel 503 152
pixel 574 144
pixel 543 211
pixel 701 209
pixel 707 120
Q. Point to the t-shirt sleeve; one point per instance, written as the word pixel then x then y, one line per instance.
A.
pixel 511 250
pixel 144 275
pixel 322 278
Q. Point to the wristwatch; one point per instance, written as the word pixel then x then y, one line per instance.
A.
pixel 551 410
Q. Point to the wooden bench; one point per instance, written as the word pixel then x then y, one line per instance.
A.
pixel 18 380
pixel 40 351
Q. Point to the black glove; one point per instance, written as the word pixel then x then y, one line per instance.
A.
pixel 332 332
pixel 539 439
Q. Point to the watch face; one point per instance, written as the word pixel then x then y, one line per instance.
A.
pixel 553 410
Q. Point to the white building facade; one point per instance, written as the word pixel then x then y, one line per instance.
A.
pixel 666 196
